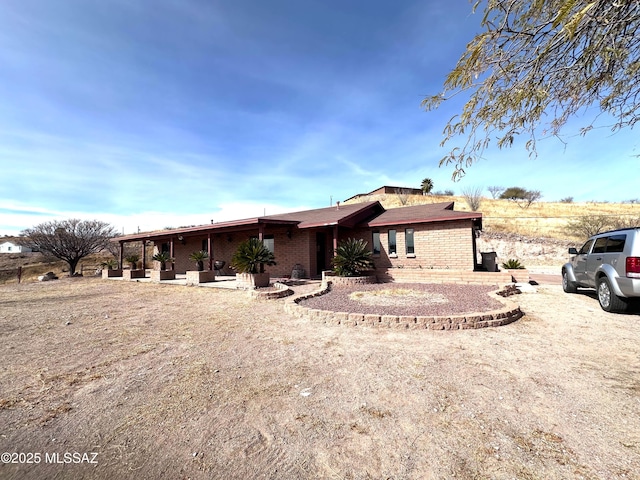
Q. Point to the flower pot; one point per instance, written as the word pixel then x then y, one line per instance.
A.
pixel 159 275
pixel 111 272
pixel 133 274
pixel 195 277
pixel 252 280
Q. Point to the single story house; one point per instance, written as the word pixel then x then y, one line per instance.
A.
pixel 431 236
pixel 10 247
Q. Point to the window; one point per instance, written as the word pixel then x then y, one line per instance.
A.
pixel 164 247
pixel 205 245
pixel 616 243
pixel 585 248
pixel 376 243
pixel 408 235
pixel 269 242
pixel 392 243
pixel 600 245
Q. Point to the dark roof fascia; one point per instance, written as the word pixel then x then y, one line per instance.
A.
pixel 450 216
pixel 200 229
pixel 368 210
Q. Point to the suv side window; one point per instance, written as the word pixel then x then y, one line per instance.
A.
pixel 616 243
pixel 585 248
pixel 600 245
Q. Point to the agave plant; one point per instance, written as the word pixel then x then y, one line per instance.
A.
pixel 512 264
pixel 110 264
pixel 199 257
pixel 132 260
pixel 251 257
pixel 163 258
pixel 352 258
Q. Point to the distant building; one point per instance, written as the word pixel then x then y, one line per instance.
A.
pixel 10 247
pixel 386 189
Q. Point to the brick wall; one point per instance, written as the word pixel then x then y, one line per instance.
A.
pixel 437 246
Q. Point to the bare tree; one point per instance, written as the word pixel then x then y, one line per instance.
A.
pixel 403 195
pixel 69 240
pixel 473 197
pixel 495 191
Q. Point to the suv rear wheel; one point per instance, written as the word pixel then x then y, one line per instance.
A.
pixel 609 301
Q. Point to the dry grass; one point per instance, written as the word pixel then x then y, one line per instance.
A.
pixel 541 219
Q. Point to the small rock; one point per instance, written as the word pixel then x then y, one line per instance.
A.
pixel 68 323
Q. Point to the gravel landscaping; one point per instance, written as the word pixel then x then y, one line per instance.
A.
pixel 407 299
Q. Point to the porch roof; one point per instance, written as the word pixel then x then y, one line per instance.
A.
pixel 343 215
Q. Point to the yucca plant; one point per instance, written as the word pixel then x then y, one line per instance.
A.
pixel 251 257
pixel 110 264
pixel 199 257
pixel 163 258
pixel 352 258
pixel 512 264
pixel 132 260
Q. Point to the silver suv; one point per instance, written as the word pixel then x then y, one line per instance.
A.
pixel 610 263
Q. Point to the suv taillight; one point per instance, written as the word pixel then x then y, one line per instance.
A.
pixel 633 267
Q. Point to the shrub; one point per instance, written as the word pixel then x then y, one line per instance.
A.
pixel 110 264
pixel 163 258
pixel 524 198
pixel 199 257
pixel 473 197
pixel 512 264
pixel 567 200
pixel 589 225
pixel 352 258
pixel 132 260
pixel 251 257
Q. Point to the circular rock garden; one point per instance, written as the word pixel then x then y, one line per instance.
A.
pixel 430 306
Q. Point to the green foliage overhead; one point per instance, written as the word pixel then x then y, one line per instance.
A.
pixel 536 64
pixel 251 257
pixel 352 258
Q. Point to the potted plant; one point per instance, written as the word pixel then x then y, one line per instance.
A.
pixel 199 258
pixel 162 258
pixel 132 260
pixel 133 271
pixel 249 261
pixel 200 275
pixel 162 274
pixel 353 259
pixel 110 268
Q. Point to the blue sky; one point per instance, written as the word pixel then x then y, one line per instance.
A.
pixel 150 114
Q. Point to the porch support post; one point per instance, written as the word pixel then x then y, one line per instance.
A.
pixel 210 251
pixel 261 232
pixel 121 255
pixel 335 240
pixel 144 254
pixel 172 254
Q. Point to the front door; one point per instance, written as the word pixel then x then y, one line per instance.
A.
pixel 321 252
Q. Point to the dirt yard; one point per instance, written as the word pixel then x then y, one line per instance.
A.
pixel 186 382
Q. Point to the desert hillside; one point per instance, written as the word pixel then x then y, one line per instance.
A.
pixel 540 219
